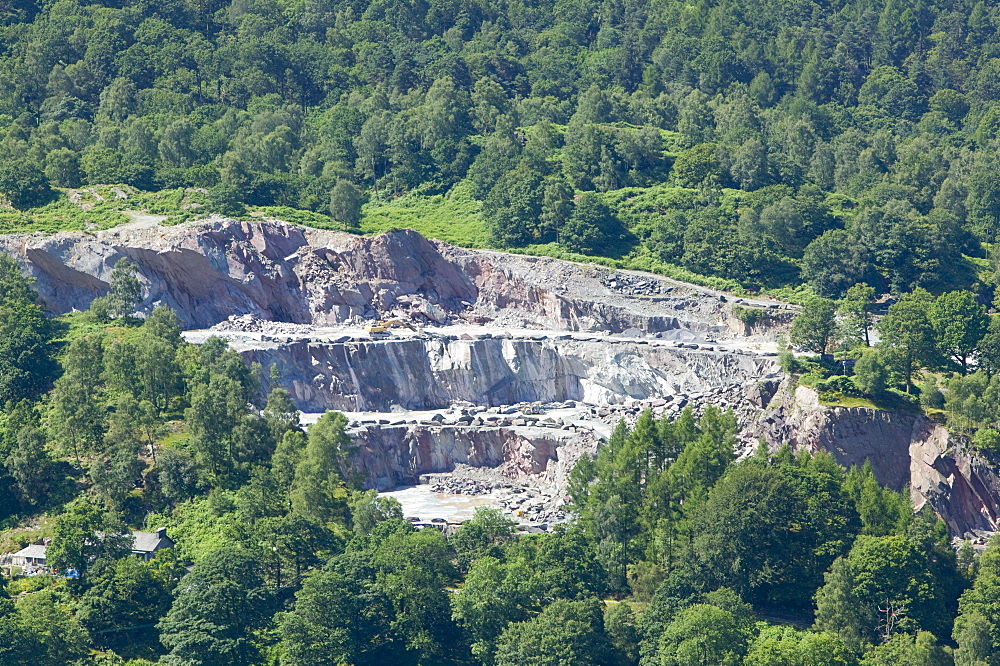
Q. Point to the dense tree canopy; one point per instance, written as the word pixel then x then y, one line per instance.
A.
pixel 280 558
pixel 832 145
pixel 27 367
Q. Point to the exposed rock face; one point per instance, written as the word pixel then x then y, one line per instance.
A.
pixel 905 450
pixel 434 373
pixel 531 449
pixel 216 268
pixel 958 483
pixel 393 456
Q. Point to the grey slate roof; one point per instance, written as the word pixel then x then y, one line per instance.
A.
pixel 150 542
pixel 145 543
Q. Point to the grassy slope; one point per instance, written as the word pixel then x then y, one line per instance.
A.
pixel 100 207
pixel 63 215
pixel 452 217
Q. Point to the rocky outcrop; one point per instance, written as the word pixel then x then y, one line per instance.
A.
pixel 960 485
pixel 216 268
pixel 210 270
pixel 905 450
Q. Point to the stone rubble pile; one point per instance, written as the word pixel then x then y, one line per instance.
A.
pixel 250 323
pixel 633 285
pixel 453 485
pixel 474 416
pixel 525 504
pixel 744 399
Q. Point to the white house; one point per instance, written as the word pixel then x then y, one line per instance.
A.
pixel 144 544
pixel 29 557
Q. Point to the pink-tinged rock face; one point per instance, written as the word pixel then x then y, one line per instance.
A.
pixel 905 450
pixel 393 456
pixel 215 268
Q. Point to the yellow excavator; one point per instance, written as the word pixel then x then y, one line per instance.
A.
pixel 380 329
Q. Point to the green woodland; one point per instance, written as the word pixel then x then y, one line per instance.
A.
pixel 747 145
pixel 937 354
pixel 839 153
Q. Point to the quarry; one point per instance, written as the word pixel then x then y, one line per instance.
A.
pixel 509 368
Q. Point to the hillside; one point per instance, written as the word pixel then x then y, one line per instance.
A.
pixel 637 452
pixel 470 333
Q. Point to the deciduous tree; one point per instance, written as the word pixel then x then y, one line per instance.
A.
pixel 855 310
pixel 345 203
pixel 883 587
pixel 815 328
pixel 959 324
pixel 565 633
pixel 126 291
pixel 908 336
pixel 318 490
pixel 215 610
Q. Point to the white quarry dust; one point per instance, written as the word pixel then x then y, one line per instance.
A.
pixel 306 419
pixel 422 502
pixel 142 220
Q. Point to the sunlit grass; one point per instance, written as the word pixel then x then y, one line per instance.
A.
pixel 453 217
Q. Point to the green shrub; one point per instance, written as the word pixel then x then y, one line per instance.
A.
pixel 811 378
pixel 749 316
pixel 788 362
pixel 986 439
pixel 871 374
pixel 224 199
pixel 306 218
pixel 24 185
pixel 838 384
pixel 904 397
pixel 931 396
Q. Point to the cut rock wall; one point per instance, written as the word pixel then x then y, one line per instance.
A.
pixel 905 450
pixel 394 456
pixel 434 373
